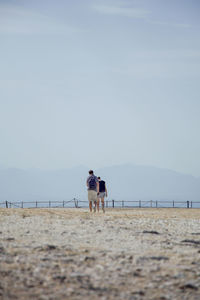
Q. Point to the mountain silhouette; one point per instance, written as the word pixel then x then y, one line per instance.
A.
pixel 124 182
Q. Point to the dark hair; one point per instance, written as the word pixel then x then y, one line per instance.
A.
pixel 99 177
pixel 91 172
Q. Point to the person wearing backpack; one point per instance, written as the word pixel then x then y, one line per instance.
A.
pixel 102 194
pixel 93 189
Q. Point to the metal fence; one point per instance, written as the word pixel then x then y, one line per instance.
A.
pixel 77 203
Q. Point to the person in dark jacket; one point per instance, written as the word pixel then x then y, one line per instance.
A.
pixel 102 194
pixel 93 189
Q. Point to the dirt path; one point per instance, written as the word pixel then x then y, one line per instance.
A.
pixel 123 254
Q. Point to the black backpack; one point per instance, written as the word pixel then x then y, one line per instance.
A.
pixel 92 183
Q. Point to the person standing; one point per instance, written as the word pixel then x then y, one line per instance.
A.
pixel 102 194
pixel 93 188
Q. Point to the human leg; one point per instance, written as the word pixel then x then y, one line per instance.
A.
pixel 98 204
pixel 95 206
pixel 90 206
pixel 102 204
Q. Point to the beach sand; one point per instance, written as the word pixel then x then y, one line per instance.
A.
pixel 122 254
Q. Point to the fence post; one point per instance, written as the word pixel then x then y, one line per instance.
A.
pixel 22 205
pixel 75 202
pixel 188 204
pixel 140 203
pixel 113 203
pixel 63 203
pixel 156 203
pixel 173 203
pixel 122 203
pixel 191 204
pixel 36 204
pixel 151 203
pixel 49 203
pixel 10 204
pixel 6 204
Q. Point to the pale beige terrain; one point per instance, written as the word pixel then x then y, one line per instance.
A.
pixel 122 254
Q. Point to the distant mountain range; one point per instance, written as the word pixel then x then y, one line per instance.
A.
pixel 124 182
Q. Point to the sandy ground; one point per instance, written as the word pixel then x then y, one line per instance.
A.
pixel 122 254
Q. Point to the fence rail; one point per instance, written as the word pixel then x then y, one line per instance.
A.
pixel 77 203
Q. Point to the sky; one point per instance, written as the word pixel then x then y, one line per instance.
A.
pixel 100 83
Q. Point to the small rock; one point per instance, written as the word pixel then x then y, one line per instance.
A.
pixel 189 286
pixel 44 259
pixel 9 261
pixel 191 241
pixel 151 231
pixel 79 276
pixel 141 293
pixel 64 232
pixel 159 257
pixel 51 247
pixel 126 228
pixel 10 239
pixel 88 258
pixel 100 267
pixel 61 278
pixel 136 274
pixel 2 250
pixel 68 260
pixel 153 258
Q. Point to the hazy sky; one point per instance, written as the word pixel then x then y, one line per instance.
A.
pixel 100 82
